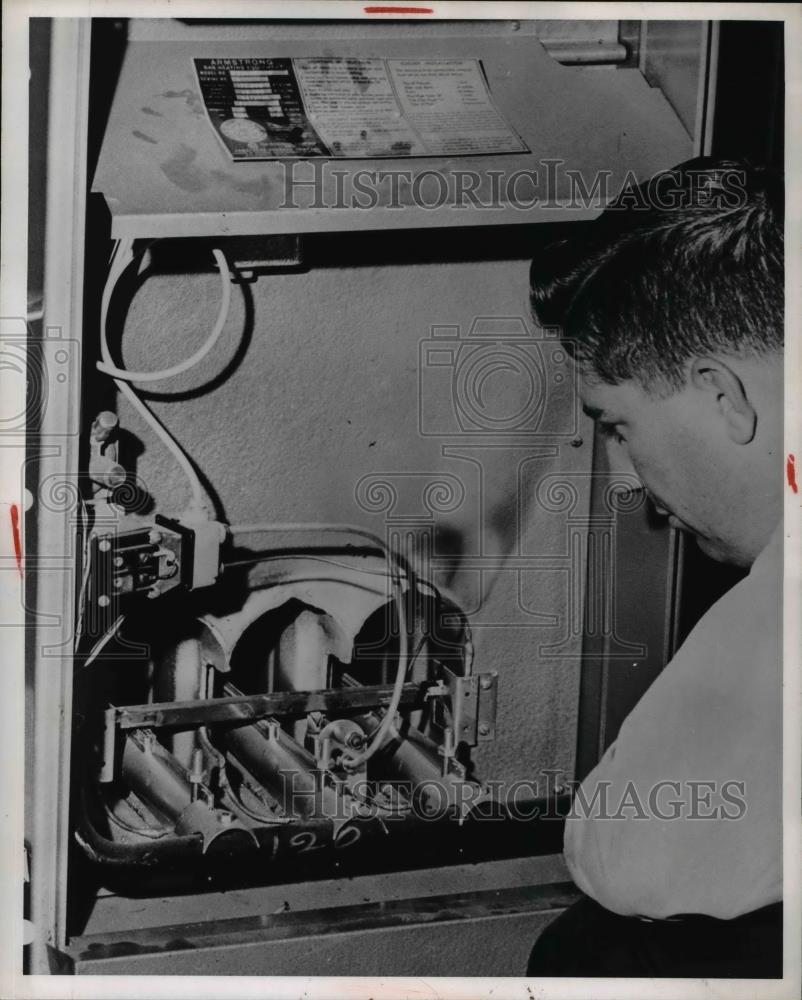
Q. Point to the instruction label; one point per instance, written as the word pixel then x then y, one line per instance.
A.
pixel 352 108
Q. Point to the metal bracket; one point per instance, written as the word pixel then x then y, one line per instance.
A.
pixel 473 706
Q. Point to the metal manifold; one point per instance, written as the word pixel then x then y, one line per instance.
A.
pixel 261 732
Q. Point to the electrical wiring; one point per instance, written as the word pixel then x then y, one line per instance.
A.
pixel 225 787
pixel 85 555
pixel 393 560
pixel 126 375
pixel 122 258
pixel 312 577
pixel 317 557
pixel 351 760
pixel 198 497
pixel 104 640
pixel 265 557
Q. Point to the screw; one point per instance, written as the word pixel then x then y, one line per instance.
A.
pixel 107 420
pixel 104 545
pixel 104 601
pixel 484 729
pixel 486 683
pixel 104 424
pixel 577 442
pixel 119 561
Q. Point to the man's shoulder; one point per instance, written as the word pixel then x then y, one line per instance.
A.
pixel 731 661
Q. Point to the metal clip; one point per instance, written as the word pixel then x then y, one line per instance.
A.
pixel 473 706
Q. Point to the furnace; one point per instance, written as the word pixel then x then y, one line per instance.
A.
pixel 319 601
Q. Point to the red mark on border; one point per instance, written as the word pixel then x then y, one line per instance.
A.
pixel 790 471
pixel 16 534
pixel 398 10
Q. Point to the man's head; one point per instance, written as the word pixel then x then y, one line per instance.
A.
pixel 672 304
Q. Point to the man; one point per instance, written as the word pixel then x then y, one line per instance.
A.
pixel 673 305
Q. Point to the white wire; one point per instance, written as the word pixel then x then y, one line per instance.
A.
pixel 108 368
pixel 122 256
pixel 101 644
pixel 161 432
pixel 265 527
pixel 316 557
pixel 85 555
pixel 354 760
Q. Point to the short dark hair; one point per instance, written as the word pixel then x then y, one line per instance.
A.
pixel 687 264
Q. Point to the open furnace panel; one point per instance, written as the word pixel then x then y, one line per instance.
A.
pixel 305 714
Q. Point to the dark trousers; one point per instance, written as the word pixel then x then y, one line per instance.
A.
pixel 587 940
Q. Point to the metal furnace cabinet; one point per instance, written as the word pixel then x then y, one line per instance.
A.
pixel 363 317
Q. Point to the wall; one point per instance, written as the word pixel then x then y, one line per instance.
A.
pixel 321 388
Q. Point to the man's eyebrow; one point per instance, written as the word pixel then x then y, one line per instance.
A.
pixel 592 411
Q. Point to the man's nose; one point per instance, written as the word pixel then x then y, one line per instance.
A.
pixel 622 467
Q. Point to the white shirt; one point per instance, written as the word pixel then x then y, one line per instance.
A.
pixel 714 716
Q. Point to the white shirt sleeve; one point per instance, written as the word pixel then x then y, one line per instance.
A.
pixel 683 814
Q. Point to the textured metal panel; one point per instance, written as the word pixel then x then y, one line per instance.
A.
pixel 353 333
pixel 114 913
pixel 629 614
pixel 163 171
pixel 579 40
pixel 485 933
pixel 54 565
pixel 575 41
pixel 231 29
pixel 677 57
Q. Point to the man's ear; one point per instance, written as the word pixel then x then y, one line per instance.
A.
pixel 716 377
